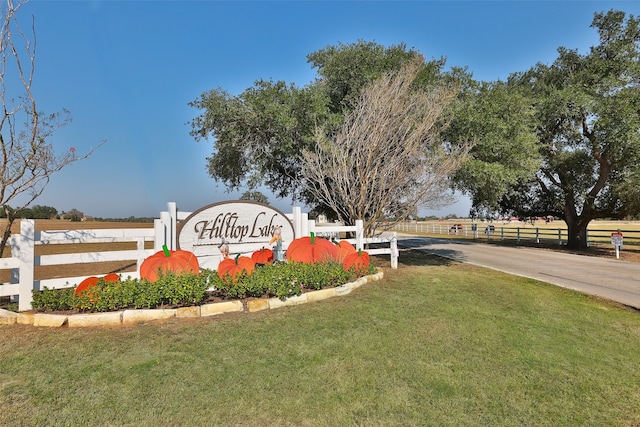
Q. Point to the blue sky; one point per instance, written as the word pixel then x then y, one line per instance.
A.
pixel 127 70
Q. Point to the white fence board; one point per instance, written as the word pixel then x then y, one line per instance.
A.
pixel 9 290
pixel 94 236
pixel 91 257
pixel 6 263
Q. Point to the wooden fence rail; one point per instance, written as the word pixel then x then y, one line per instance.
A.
pixel 23 260
pixel 535 234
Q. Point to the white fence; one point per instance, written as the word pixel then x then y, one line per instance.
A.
pixel 23 260
pixel 519 234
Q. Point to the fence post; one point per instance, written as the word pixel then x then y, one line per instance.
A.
pixel 537 235
pixel 304 224
pixel 359 234
pixel 140 247
pixel 159 233
pixel 27 260
pixel 560 236
pixel 173 215
pixel 297 221
pixel 394 250
pixel 14 244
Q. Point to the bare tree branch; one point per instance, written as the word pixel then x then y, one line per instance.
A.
pixel 388 158
pixel 28 158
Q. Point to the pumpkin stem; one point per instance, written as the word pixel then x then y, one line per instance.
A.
pixel 313 237
pixel 359 252
pixel 166 250
pixel 237 256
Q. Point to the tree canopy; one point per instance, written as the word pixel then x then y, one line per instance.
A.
pixel 259 135
pixel 254 196
pixel 561 139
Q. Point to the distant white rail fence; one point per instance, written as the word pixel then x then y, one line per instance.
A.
pixel 24 260
pixel 530 233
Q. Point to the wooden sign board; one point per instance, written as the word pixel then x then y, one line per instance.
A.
pixel 242 225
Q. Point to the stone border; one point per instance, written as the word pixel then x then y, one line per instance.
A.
pixel 131 317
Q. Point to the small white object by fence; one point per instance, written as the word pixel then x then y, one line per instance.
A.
pixel 616 241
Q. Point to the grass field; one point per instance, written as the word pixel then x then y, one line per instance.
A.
pixel 434 343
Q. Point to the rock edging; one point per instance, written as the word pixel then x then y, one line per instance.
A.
pixel 130 317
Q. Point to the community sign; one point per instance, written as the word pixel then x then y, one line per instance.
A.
pixel 232 228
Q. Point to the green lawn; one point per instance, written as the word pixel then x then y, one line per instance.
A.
pixel 434 343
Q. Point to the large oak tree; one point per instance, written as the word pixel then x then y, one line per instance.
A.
pixel 577 121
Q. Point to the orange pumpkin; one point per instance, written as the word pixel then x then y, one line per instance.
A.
pixel 344 249
pixel 262 256
pixel 359 260
pixel 235 266
pixel 111 277
pixel 90 282
pixel 311 249
pixel 164 261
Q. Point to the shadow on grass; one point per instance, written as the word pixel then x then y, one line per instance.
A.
pixel 423 247
pixel 418 258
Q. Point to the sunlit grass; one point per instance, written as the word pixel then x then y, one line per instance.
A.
pixel 434 343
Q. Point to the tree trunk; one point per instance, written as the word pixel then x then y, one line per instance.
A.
pixel 577 233
pixel 6 234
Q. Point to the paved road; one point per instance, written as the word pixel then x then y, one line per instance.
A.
pixel 608 278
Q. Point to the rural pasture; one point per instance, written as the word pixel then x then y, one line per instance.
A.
pixel 506 232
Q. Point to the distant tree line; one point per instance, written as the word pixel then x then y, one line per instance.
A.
pixel 128 219
pixel 48 212
pixel 41 212
pixel 33 212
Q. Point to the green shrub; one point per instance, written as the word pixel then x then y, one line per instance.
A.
pixel 168 290
pixel 285 279
pixel 281 280
pixel 53 299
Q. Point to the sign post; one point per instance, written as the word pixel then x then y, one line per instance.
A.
pixel 616 241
